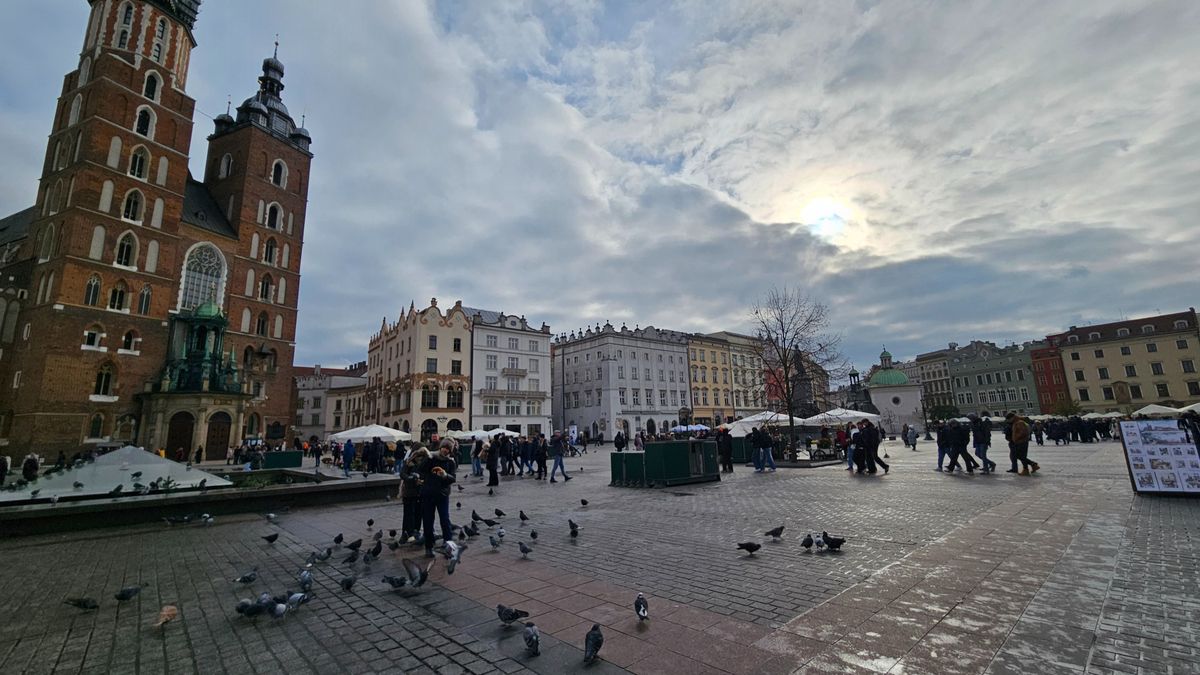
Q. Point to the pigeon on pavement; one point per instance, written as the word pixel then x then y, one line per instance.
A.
pixel 453 554
pixel 270 538
pixel 337 541
pixel 592 643
pixel 533 534
pixel 494 542
pixel 775 533
pixel 417 572
pixel 572 524
pixel 350 559
pixel 77 485
pixel 500 533
pixel 489 522
pixel 522 516
pixel 270 517
pixel 820 542
pixel 278 610
pixel 533 639
pixel 807 541
pixel 749 547
pixel 583 502
pixel 248 577
pixel 82 603
pixel 296 599
pixel 525 550
pixel 354 545
pixel 378 535
pixel 376 549
pixel 641 607
pixel 475 517
pixel 395 582
pixel 348 582
pixel 500 514
pixel 128 592
pixel 510 614
pixel 392 534
pixel 370 523
pixel 834 543
pixel 306 581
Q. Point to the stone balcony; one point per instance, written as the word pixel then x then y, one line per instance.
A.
pixel 513 372
pixel 513 393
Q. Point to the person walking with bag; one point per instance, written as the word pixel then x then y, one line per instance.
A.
pixel 558 447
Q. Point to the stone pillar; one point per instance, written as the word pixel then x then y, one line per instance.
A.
pixel 201 433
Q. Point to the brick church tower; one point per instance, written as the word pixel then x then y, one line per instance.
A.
pixel 138 304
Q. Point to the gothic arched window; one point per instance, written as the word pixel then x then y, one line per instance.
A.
pixel 91 292
pixel 203 277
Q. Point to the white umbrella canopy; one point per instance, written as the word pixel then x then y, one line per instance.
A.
pixel 496 432
pixel 838 416
pixel 476 434
pixel 1195 407
pixel 370 432
pixel 1092 416
pixel 1156 410
pixel 1116 414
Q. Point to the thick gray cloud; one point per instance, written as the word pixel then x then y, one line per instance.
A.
pixel 935 171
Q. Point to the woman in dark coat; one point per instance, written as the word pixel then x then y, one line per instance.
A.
pixel 410 493
pixel 493 462
pixel 437 474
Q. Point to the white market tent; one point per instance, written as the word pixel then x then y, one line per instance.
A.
pixel 1156 410
pixel 1195 407
pixel 497 432
pixel 838 416
pixel 1093 416
pixel 1115 414
pixel 771 418
pixel 475 435
pixel 370 432
pixel 117 468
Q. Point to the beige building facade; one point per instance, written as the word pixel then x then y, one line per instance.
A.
pixel 745 373
pixel 1126 365
pixel 419 372
pixel 711 380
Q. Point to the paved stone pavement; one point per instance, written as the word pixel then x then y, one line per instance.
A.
pixel 1063 572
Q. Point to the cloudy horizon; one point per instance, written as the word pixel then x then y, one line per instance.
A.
pixel 935 172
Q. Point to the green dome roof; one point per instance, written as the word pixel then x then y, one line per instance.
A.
pixel 208 310
pixel 888 377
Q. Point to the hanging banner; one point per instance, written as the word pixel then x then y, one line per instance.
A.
pixel 1163 456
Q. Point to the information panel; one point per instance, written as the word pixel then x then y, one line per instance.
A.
pixel 1162 455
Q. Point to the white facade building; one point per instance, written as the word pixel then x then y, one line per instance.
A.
pixel 607 379
pixel 313 386
pixel 510 373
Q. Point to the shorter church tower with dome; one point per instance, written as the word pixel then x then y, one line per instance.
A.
pixel 894 397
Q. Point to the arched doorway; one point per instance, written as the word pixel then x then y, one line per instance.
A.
pixel 454 425
pixel 217 440
pixel 651 427
pixel 406 428
pixel 428 429
pixel 179 433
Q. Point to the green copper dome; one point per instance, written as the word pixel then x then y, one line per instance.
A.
pixel 208 310
pixel 888 377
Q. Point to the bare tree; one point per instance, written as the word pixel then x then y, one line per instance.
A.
pixel 796 345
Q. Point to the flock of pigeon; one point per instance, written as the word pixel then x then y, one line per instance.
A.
pixel 821 541
pixel 592 641
pixel 167 614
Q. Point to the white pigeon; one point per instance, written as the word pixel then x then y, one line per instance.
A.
pixel 501 533
pixel 820 541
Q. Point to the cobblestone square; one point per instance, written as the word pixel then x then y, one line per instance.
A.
pixel 1063 572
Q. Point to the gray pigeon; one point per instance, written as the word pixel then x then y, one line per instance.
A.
pixel 278 610
pixel 417 574
pixel 453 553
pixel 348 582
pixel 82 603
pixel 296 599
pixel 395 582
pixel 525 550
pixel 807 541
pixel 510 614
pixel 247 578
pixel 306 581
pixel 533 639
pixel 641 607
pixel 494 542
pixel 128 593
pixel 592 643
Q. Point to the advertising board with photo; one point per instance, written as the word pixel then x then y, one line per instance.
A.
pixel 1162 456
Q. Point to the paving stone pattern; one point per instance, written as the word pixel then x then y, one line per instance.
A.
pixel 1063 572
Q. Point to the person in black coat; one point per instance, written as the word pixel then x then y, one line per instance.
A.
pixel 436 475
pixel 492 460
pixel 725 449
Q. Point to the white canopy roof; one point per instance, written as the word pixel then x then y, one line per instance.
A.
pixel 1156 410
pixel 1195 407
pixel 838 416
pixel 370 432
pixel 476 434
pixel 1092 416
pixel 113 469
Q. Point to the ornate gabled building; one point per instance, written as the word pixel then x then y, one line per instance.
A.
pixel 146 306
pixel 418 371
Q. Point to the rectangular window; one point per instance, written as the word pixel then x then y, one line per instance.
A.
pixel 1074 356
pixel 1163 390
pixel 1108 394
pixel 662 398
pixel 646 371
pixel 1151 347
pixel 621 395
pixel 989 378
pixel 513 408
pixel 316 402
pixel 433 342
pixel 1008 376
pixel 1083 395
pixel 431 365
pixel 314 420
pixel 633 372
pixel 650 397
pixel 1099 353
pixel 1189 366
pixel 1156 368
pixel 456 367
pixel 458 344
pixel 674 398
pixel 491 407
pixel 637 396
pixel 588 398
pixel 662 376
pixel 599 373
pixel 490 340
pixel 1024 393
pixel 490 382
pixel 1079 376
pixel 533 345
pixel 514 362
pixel 1103 372
pixel 1135 391
pixel 979 380
pixel 1021 375
pixel 1193 388
pixel 514 343
pixel 1130 371
pixel 702 355
pixel 535 384
pixel 620 372
pixel 1181 344
pixel 490 361
pixel 533 365
pixel 1126 351
pixel 512 383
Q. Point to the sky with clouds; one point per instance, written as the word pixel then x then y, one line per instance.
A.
pixel 934 171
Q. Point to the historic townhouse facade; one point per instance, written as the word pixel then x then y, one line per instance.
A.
pixel 936 383
pixel 313 387
pixel 418 371
pixel 1125 365
pixel 746 373
pixel 992 380
pixel 134 324
pixel 607 379
pixel 510 373
pixel 711 380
